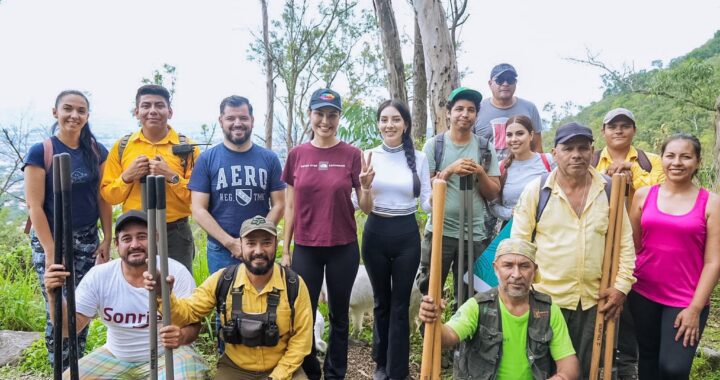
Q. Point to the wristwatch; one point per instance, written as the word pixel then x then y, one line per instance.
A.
pixel 174 180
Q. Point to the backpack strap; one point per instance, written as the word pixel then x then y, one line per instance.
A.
pixel 292 286
pixel 545 162
pixel 544 197
pixel 47 153
pixel 595 160
pixel 502 167
pixel 643 161
pixel 439 150
pixel 183 159
pixel 121 148
pixel 225 282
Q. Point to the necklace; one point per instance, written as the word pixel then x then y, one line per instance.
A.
pixel 583 200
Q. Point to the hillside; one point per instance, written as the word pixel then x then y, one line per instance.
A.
pixel 677 98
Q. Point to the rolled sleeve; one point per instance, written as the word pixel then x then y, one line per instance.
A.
pixel 112 187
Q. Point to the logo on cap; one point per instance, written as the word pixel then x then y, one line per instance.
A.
pixel 328 97
pixel 258 220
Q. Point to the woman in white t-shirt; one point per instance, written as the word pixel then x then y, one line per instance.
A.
pixel 391 238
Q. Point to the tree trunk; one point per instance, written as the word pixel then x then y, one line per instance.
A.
pixel 717 138
pixel 440 62
pixel 391 46
pixel 420 87
pixel 269 85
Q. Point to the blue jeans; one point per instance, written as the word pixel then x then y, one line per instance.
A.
pixel 219 257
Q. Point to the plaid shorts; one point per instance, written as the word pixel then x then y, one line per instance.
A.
pixel 101 364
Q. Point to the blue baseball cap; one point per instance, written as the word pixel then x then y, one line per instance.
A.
pixel 325 97
pixel 571 130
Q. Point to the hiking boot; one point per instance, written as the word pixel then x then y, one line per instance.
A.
pixel 380 374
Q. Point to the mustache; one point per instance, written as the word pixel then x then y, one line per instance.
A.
pixel 136 250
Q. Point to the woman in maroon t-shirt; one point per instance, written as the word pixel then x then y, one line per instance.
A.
pixel 319 213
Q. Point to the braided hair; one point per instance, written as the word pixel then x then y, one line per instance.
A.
pixel 527 124
pixel 407 142
pixel 88 145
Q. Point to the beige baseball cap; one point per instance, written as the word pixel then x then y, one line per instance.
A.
pixel 255 223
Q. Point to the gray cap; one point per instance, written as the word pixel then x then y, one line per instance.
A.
pixel 612 114
pixel 130 216
pixel 502 68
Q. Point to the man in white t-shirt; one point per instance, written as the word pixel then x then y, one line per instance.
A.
pixel 114 293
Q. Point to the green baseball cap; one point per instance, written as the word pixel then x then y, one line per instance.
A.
pixel 467 93
pixel 255 223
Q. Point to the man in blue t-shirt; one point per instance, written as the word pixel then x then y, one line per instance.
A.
pixel 234 181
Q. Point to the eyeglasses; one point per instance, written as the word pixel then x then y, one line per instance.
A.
pixel 509 79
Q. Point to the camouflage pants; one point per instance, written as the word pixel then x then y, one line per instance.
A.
pixel 85 242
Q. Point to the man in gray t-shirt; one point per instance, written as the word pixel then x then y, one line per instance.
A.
pixel 495 111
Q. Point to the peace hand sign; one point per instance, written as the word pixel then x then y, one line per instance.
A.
pixel 367 173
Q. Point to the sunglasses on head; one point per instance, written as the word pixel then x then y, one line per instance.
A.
pixel 509 79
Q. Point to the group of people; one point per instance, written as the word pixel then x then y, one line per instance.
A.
pixel 543 266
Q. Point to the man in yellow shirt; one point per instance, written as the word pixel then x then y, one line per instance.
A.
pixel 620 156
pixel 261 341
pixel 156 149
pixel 570 236
pixel 643 169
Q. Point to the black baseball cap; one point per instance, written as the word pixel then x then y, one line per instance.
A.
pixel 570 130
pixel 325 97
pixel 130 216
pixel 501 69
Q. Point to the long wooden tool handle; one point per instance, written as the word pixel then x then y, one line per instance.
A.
pixel 148 184
pixel 432 339
pixel 597 343
pixel 57 238
pixel 611 325
pixel 163 250
pixel 461 239
pixel 67 242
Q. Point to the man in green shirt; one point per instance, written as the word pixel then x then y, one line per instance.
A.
pixel 512 331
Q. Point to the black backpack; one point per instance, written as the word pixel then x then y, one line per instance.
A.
pixel 227 279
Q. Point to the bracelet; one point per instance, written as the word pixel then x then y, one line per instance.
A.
pixel 365 189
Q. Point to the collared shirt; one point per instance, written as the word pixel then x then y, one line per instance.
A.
pixel 640 177
pixel 571 248
pixel 114 190
pixel 284 358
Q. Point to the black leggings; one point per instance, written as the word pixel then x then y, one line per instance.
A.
pixel 339 264
pixel 661 357
pixel 391 253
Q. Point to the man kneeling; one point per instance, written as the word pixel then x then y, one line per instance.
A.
pixel 512 331
pixel 114 292
pixel 266 317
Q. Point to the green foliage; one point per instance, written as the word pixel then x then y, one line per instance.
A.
pixel 35 359
pixel 318 47
pixel 359 127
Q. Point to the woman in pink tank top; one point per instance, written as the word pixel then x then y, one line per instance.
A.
pixel 677 240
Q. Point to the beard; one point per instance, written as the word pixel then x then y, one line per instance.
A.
pixel 516 293
pixel 237 140
pixel 259 269
pixel 136 261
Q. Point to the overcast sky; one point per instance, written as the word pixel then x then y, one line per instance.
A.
pixel 106 47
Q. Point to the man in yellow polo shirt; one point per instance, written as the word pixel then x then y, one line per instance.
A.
pixel 643 169
pixel 620 156
pixel 526 318
pixel 149 151
pixel 570 236
pixel 261 341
